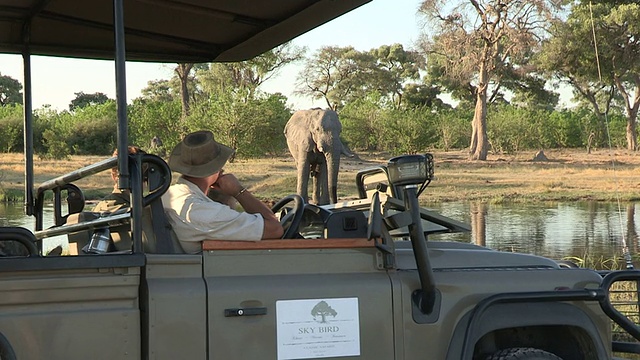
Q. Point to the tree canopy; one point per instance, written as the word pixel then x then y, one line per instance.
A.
pixel 83 100
pixel 597 51
pixel 10 91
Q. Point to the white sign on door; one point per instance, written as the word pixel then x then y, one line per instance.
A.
pixel 317 328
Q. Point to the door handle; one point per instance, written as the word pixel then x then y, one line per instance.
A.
pixel 252 311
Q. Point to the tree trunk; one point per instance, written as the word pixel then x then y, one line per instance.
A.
pixel 632 138
pixel 479 141
pixel 631 107
pixel 183 71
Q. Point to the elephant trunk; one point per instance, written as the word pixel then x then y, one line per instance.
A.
pixel 333 166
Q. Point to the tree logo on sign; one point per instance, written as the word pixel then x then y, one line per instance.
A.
pixel 322 310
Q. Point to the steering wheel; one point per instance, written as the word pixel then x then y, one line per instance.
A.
pixel 291 219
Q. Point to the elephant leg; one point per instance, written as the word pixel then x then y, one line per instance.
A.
pixel 315 195
pixel 303 175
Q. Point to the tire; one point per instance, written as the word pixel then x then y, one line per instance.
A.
pixel 6 351
pixel 523 354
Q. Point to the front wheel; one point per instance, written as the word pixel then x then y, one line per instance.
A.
pixel 523 354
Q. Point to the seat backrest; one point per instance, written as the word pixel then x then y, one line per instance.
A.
pixel 374 180
pixel 158 236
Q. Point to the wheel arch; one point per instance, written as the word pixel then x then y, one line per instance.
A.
pixel 560 328
pixel 6 350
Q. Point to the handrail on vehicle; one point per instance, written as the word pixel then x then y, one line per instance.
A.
pixel 102 166
pixel 620 275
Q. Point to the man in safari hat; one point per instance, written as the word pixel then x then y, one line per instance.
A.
pixel 196 217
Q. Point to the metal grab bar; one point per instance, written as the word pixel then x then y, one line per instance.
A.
pixel 77 174
pixel 106 221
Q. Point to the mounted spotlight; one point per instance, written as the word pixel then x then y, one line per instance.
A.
pixel 411 170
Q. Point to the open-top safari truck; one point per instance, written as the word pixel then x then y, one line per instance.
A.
pixel 350 280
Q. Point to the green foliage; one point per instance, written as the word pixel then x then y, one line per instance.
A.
pixel 10 91
pixel 511 129
pixel 571 128
pixel 342 75
pixel 83 100
pixel 361 124
pixel 452 128
pixel 408 131
pixel 56 145
pixel 149 118
pixel 11 128
pixel 89 130
pixel 252 127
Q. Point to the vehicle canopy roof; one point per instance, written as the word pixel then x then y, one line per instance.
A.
pixel 162 30
pixel 182 31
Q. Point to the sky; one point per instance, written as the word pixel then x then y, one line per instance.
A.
pixel 380 22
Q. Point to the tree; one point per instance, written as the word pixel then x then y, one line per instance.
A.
pixel 83 100
pixel 333 74
pixel 158 90
pixel 477 43
pixel 417 95
pixel 393 68
pixel 10 91
pixel 247 76
pixel 597 66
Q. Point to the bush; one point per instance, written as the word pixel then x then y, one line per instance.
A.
pixel 360 125
pixel 253 127
pixel 149 118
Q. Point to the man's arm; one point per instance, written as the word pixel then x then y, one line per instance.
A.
pixel 251 204
pixel 230 185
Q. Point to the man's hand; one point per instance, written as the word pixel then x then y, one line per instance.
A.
pixel 228 184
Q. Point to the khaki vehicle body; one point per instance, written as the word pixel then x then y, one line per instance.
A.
pixel 174 305
pixel 362 282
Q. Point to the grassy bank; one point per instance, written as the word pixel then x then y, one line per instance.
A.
pixel 568 175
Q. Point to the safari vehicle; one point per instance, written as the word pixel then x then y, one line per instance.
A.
pixel 357 279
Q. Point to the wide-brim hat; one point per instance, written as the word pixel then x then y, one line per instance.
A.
pixel 199 155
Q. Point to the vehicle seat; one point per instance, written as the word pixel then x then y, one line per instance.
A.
pixel 157 234
pixel 374 180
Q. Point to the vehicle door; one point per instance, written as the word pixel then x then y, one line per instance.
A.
pixel 298 299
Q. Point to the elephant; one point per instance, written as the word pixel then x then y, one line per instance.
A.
pixel 313 138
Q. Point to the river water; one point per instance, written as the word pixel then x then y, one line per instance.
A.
pixel 586 230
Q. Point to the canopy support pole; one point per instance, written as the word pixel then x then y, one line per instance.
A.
pixel 28 123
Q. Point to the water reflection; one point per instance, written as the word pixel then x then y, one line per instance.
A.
pixel 13 215
pixel 593 230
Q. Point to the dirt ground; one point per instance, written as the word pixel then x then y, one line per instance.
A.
pixel 565 175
